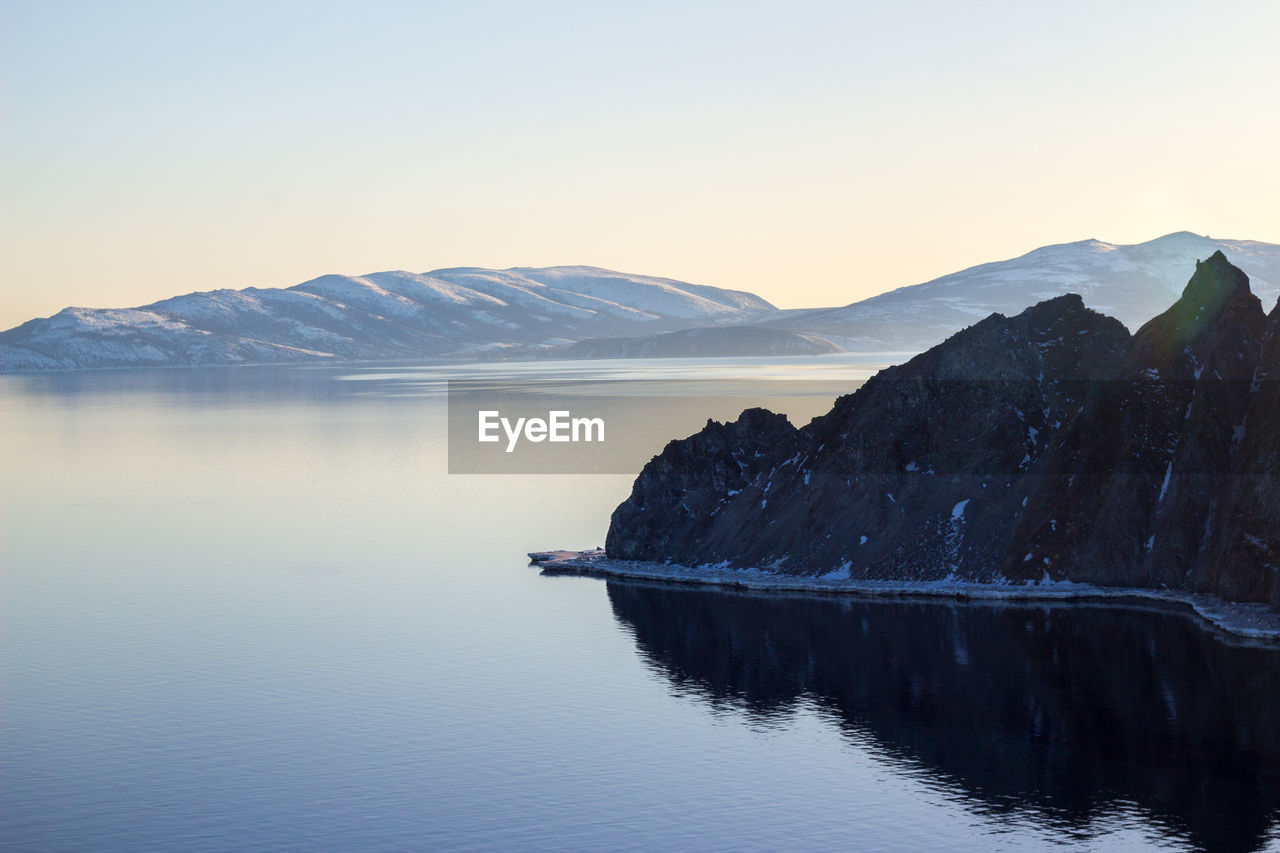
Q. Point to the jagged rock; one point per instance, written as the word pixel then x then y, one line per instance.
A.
pixel 878 485
pixel 689 478
pixel 1135 483
pixel 1046 446
pixel 1250 527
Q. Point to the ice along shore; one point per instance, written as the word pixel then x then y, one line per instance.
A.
pixel 1257 622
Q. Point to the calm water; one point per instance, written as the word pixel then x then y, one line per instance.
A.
pixel 250 609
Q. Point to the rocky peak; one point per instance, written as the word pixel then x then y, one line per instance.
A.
pixel 1217 324
pixel 1154 453
pixel 1213 276
pixel 1078 341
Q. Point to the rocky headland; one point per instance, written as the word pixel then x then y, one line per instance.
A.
pixel 1050 450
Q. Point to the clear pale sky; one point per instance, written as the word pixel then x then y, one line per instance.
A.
pixel 815 153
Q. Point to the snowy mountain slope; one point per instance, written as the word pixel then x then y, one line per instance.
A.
pixel 467 311
pixel 658 295
pixel 1129 282
pixel 386 315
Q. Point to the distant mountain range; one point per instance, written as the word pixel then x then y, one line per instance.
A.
pixel 462 312
pixel 1130 283
pixel 577 312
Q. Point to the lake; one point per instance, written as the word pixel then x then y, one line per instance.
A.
pixel 250 608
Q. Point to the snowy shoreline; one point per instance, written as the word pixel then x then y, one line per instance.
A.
pixel 1251 621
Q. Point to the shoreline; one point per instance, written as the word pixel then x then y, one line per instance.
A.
pixel 1249 621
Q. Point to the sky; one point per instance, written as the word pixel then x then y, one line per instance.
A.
pixel 814 153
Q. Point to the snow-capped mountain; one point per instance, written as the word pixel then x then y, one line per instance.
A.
pixel 473 312
pixel 1132 283
pixel 386 315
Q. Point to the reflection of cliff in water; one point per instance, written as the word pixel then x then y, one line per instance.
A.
pixel 1068 710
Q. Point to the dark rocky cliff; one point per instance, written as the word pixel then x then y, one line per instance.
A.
pixel 1046 446
pixel 1249 532
pixel 1138 481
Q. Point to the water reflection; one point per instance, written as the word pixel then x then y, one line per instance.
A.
pixel 1061 712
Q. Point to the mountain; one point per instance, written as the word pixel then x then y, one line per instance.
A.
pixel 1129 282
pixel 702 341
pixel 1049 446
pixel 586 312
pixel 387 315
pixel 1138 478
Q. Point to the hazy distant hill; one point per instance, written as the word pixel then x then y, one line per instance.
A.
pixel 1131 283
pixel 387 315
pixel 585 312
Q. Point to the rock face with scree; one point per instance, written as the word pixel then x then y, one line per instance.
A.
pixel 1043 447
